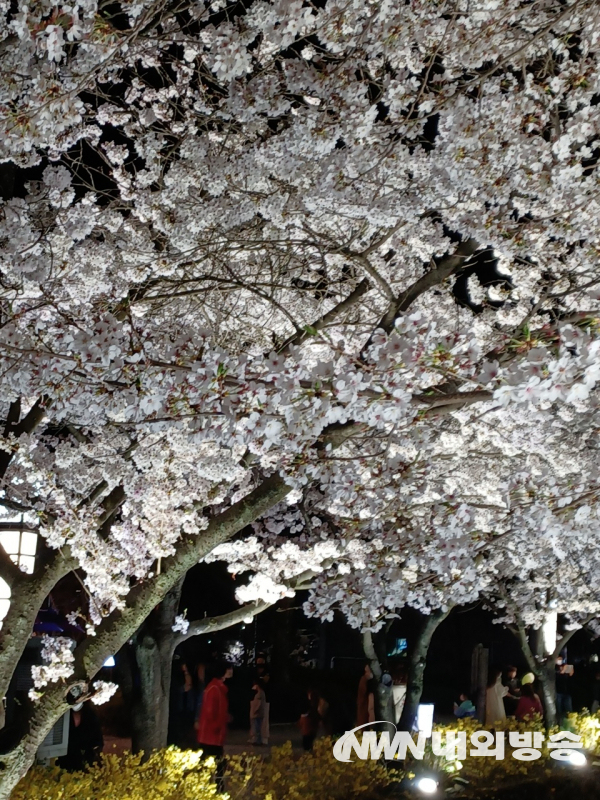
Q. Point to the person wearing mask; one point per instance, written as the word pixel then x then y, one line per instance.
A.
pixel 85 739
pixel 365 699
pixel 465 708
pixel 529 704
pixel 514 692
pixel 257 713
pixel 211 728
pixel 264 678
pixel 564 702
pixel 494 699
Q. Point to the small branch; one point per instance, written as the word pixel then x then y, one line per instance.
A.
pixel 458 399
pixel 444 267
pixel 27 425
pixel 327 318
pixel 565 639
pixel 219 623
pixel 370 270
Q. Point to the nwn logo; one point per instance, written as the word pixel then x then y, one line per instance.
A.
pixel 375 745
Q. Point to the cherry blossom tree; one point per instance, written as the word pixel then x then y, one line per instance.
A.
pixel 341 257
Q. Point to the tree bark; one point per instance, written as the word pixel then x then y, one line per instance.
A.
pixel 385 699
pixel 122 625
pixel 416 669
pixel 154 645
pixel 542 665
pixel 28 592
pixel 150 707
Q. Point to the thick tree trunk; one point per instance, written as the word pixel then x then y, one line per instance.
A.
pixel 416 669
pixel 385 700
pixel 542 666
pixel 15 764
pixel 546 677
pixel 154 646
pixel 116 630
pixel 150 709
pixel 543 669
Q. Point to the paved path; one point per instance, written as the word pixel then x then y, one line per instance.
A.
pixel 237 740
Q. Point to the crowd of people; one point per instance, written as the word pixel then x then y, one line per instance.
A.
pixel 508 696
pixel 200 713
pixel 199 709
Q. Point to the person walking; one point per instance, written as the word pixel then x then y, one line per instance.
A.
pixel 309 720
pixel 214 717
pixel 199 687
pixel 494 699
pixel 181 706
pixel 365 698
pixel 257 713
pixel 564 702
pixel 264 678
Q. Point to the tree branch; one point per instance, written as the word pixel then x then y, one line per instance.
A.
pixel 327 318
pixel 444 267
pixel 566 638
pixel 27 425
pixel 219 623
pixel 24 606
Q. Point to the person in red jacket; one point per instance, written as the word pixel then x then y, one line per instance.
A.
pixel 211 728
pixel 529 704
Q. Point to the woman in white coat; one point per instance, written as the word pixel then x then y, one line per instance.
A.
pixel 494 699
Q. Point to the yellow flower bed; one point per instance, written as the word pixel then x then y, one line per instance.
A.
pixel 310 776
pixel 486 771
pixel 174 774
pixel 167 775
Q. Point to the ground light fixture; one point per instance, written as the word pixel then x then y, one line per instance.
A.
pixel 577 758
pixel 427 785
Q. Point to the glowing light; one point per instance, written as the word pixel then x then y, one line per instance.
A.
pixel 21 546
pixel 549 631
pixel 110 662
pixel 427 785
pixel 425 719
pixel 577 758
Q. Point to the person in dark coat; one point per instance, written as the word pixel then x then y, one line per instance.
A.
pixel 85 739
pixel 310 719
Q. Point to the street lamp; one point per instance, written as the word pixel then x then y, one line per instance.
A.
pixel 19 541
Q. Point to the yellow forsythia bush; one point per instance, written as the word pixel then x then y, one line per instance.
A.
pixel 588 727
pixel 310 776
pixel 486 771
pixel 167 775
